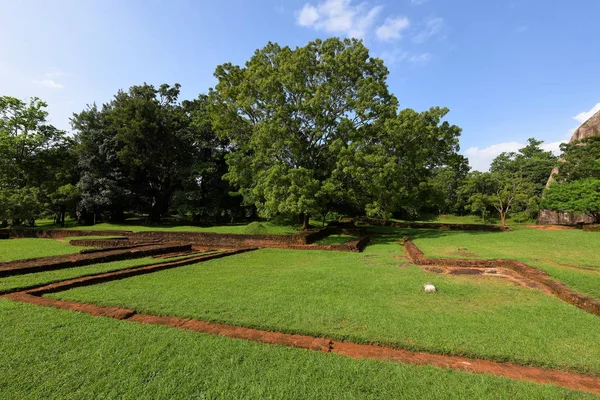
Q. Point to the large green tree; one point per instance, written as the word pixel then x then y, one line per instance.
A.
pixel 580 160
pixel 579 197
pixel 530 163
pixel 136 151
pixel 503 192
pixel 390 168
pixel 576 187
pixel 315 128
pixel 36 160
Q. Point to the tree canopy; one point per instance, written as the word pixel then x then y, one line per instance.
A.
pixel 315 128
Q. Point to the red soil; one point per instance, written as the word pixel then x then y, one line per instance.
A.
pixel 525 272
pixel 126 273
pixel 354 350
pixel 550 227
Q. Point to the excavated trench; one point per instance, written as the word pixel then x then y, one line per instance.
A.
pixel 522 273
pixel 518 272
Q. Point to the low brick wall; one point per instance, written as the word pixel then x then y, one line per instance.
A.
pixel 227 240
pixel 428 225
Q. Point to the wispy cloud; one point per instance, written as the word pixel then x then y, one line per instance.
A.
pixel 432 27
pixel 418 2
pixel 339 17
pixel 49 83
pixel 392 28
pixel 585 115
pixel 397 56
pixel 480 159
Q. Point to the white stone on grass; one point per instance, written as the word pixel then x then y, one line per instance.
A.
pixel 429 288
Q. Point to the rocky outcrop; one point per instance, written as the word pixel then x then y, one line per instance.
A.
pixel 591 127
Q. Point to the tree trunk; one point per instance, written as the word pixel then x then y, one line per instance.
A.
pixel 63 212
pixel 503 219
pixel 305 221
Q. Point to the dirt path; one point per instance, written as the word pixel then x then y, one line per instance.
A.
pixel 550 227
pixel 566 379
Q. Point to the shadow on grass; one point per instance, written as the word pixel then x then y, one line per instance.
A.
pixel 388 234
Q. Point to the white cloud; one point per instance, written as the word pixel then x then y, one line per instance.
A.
pixel 584 116
pixel 554 147
pixel 49 83
pixel 431 28
pixel 418 2
pixel 397 56
pixel 419 58
pixel 392 28
pixel 480 159
pixel 308 16
pixel 339 17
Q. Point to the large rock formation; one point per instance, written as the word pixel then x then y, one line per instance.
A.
pixel 591 127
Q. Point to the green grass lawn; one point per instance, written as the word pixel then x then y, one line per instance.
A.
pixel 557 252
pixel 366 297
pixel 258 227
pixel 18 249
pixel 11 283
pixel 47 353
pixel 335 239
pixel 267 228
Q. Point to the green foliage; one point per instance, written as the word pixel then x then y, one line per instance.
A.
pixel 581 160
pixel 578 197
pixel 290 114
pixel 143 147
pixel 530 163
pixel 35 160
pixel 389 169
pixel 500 191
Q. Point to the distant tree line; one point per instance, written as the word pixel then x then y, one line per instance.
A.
pixel 310 131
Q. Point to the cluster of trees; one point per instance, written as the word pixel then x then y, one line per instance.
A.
pixel 576 186
pixel 37 172
pixel 306 131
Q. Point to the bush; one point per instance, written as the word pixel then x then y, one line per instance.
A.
pixel 256 228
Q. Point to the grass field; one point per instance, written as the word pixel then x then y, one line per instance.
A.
pixel 47 353
pixel 18 249
pixel 560 253
pixel 262 227
pixel 366 298
pixel 12 283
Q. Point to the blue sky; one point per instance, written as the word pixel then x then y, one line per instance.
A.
pixel 508 70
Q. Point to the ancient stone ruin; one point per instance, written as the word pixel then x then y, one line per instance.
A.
pixel 591 127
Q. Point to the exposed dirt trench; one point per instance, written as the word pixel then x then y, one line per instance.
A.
pixel 566 379
pixel 528 275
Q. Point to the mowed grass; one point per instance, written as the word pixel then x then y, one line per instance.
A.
pixel 15 282
pixel 47 353
pixel 561 253
pixel 366 297
pixel 267 228
pixel 336 239
pixel 18 249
